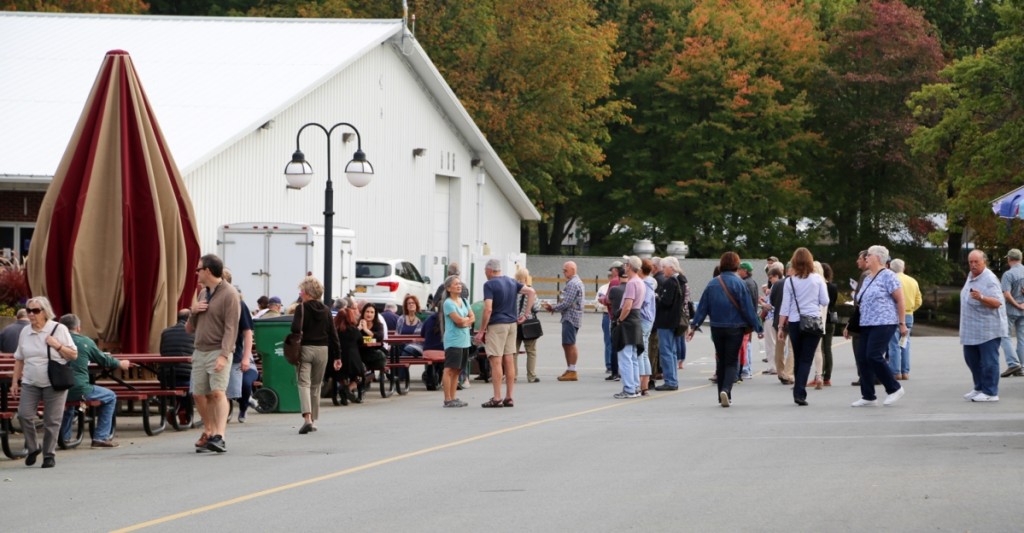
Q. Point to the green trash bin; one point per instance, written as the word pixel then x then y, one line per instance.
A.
pixel 278 375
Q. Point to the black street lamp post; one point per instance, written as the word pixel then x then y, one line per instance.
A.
pixel 299 173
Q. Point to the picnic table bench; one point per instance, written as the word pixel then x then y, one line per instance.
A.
pixel 399 364
pixel 151 393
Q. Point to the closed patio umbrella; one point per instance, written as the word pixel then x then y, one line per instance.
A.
pixel 115 241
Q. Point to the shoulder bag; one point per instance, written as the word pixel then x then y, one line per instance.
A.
pixel 809 325
pixel 684 313
pixel 61 377
pixel 853 325
pixel 293 342
pixel 530 329
pixel 748 329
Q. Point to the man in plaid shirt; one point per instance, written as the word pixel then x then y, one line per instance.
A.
pixel 571 307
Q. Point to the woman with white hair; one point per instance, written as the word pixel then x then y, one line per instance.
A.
pixel 881 315
pixel 40 342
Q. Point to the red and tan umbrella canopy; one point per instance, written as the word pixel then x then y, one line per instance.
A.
pixel 115 241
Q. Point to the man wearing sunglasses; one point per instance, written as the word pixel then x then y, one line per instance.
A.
pixel 214 322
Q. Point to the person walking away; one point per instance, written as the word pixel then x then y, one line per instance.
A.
pixel 804 296
pixel 570 305
pixel 982 327
pixel 724 302
pixel 318 337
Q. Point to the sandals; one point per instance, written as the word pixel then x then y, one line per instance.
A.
pixel 508 402
pixel 493 403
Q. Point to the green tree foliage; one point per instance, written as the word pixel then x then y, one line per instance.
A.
pixel 77 6
pixel 537 77
pixel 869 185
pixel 974 123
pixel 714 151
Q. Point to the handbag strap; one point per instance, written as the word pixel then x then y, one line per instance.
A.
pixel 795 300
pixel 729 294
pixel 52 331
pixel 856 301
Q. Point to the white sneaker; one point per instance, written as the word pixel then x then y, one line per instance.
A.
pixel 971 394
pixel 723 398
pixel 895 397
pixel 864 403
pixel 982 397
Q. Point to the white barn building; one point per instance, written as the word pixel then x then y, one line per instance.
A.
pixel 230 95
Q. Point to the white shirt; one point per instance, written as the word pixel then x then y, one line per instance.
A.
pixel 811 293
pixel 32 350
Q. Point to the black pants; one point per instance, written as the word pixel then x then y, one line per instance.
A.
pixel 727 346
pixel 804 346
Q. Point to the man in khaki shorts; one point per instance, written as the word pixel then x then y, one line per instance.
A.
pixel 214 321
pixel 498 330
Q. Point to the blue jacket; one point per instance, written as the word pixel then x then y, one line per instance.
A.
pixel 716 304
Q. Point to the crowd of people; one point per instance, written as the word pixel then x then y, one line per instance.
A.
pixel 648 318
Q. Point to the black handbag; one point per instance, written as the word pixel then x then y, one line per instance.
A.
pixel 809 325
pixel 293 342
pixel 61 377
pixel 853 325
pixel 532 329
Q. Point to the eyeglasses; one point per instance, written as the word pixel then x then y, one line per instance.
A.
pixel 34 310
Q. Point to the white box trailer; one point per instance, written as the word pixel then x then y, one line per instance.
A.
pixel 271 258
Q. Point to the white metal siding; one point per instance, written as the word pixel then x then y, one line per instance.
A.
pixel 392 216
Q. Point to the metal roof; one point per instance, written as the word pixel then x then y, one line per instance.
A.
pixel 211 81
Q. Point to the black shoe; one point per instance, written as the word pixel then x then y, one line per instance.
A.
pixel 801 402
pixel 30 459
pixel 855 383
pixel 306 428
pixel 613 377
pixel 665 387
pixel 49 462
pixel 216 444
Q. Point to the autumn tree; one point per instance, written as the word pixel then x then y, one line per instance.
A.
pixel 870 186
pixel 973 122
pixel 718 140
pixel 77 6
pixel 537 77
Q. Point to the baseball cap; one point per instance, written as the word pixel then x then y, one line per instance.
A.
pixel 615 264
pixel 747 266
pixel 1014 254
pixel 274 300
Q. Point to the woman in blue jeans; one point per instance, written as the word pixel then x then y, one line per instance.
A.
pixel 881 314
pixel 803 294
pixel 726 301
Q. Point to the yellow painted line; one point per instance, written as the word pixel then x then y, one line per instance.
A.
pixel 387 461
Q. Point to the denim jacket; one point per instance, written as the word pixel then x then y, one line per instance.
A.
pixel 714 303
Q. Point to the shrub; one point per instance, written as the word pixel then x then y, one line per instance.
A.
pixel 13 283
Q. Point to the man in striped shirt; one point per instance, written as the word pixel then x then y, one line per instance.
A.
pixel 571 306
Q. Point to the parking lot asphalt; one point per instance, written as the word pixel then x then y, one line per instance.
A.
pixel 569 457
